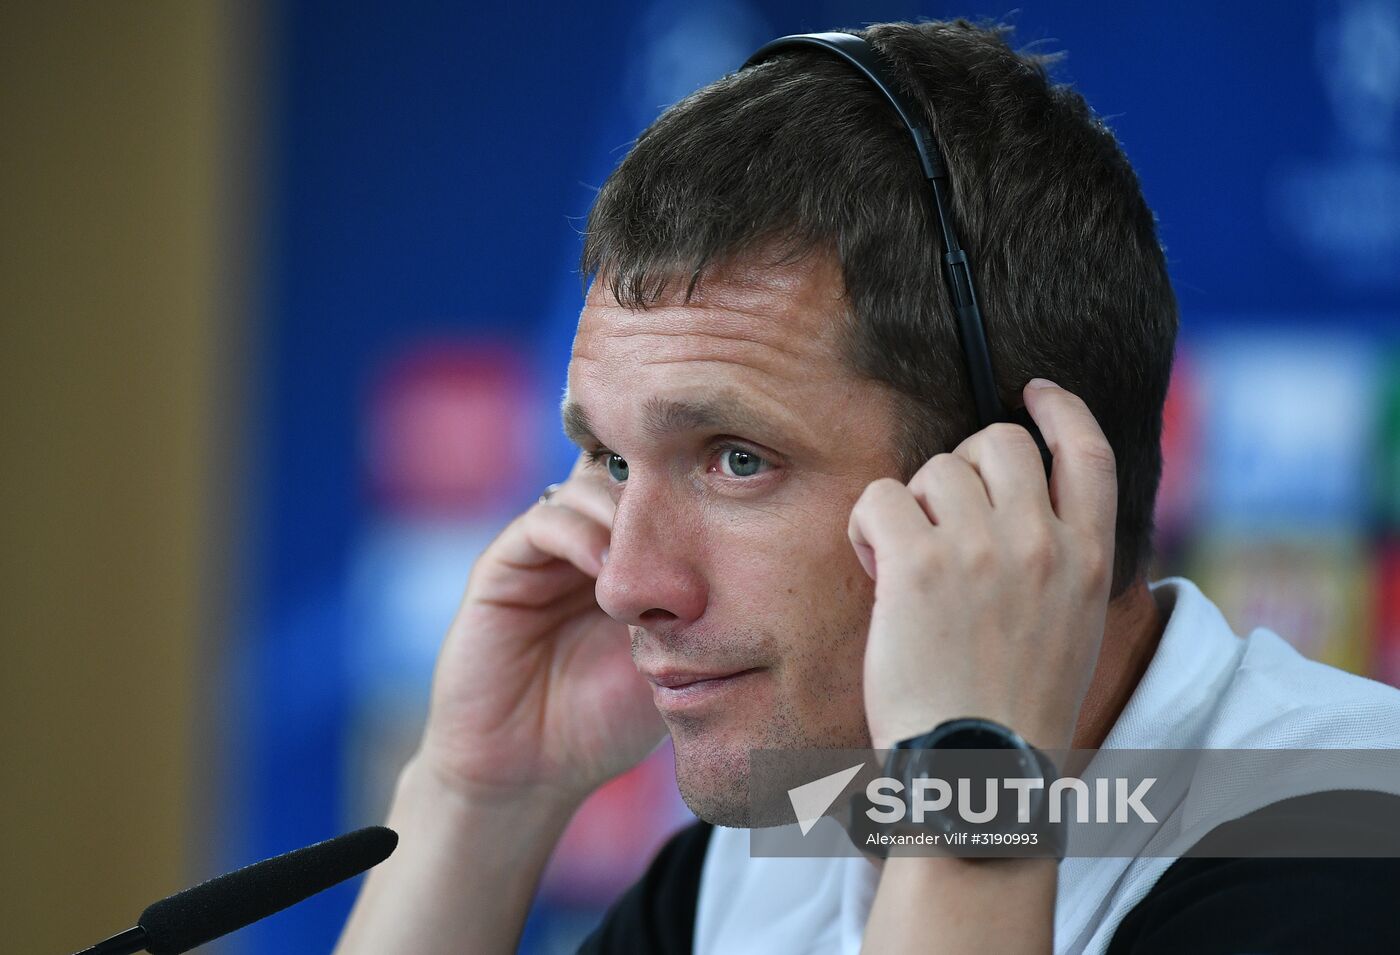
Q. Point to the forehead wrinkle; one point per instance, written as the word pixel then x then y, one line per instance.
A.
pixel 733 337
pixel 750 283
pixel 724 409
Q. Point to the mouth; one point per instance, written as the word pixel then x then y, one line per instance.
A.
pixel 675 690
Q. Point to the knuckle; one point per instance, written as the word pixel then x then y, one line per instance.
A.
pixel 924 551
pixel 1006 434
pixel 924 561
pixel 1097 453
pixel 886 485
pixel 880 489
pixel 1036 550
pixel 976 554
pixel 1072 399
pixel 530 518
pixel 934 466
pixel 1096 564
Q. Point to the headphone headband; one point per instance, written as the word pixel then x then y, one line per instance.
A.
pixel 855 51
pixel 957 271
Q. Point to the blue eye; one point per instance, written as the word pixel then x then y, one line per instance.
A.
pixel 615 464
pixel 617 467
pixel 738 462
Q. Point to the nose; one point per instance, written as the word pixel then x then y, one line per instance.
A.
pixel 651 577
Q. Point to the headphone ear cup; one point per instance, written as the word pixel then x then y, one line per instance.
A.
pixel 1023 417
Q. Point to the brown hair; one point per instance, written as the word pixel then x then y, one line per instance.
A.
pixel 800 153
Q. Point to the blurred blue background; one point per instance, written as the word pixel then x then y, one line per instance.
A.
pixel 405 185
pixel 430 167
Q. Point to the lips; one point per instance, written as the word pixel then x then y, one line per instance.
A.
pixel 691 691
pixel 675 679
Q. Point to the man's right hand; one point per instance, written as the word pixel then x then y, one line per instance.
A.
pixel 535 692
pixel 535 703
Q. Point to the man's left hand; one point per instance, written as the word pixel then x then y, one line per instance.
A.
pixel 991 588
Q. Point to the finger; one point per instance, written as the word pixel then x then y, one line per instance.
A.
pixel 950 491
pixel 1009 463
pixel 549 532
pixel 586 492
pixel 884 523
pixel 1084 480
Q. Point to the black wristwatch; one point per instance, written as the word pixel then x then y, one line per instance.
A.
pixel 977 751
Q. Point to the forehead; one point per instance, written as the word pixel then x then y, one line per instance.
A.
pixel 758 351
pixel 778 319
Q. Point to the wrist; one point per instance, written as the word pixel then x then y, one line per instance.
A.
pixel 930 873
pixel 467 867
pixel 495 777
pixel 425 794
pixel 889 733
pixel 995 905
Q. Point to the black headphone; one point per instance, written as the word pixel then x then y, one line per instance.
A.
pixel 956 270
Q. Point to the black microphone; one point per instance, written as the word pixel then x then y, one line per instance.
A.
pixel 228 903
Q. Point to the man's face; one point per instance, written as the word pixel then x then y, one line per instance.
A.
pixel 735 442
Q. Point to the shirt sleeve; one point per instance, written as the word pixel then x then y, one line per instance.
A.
pixel 657 914
pixel 1213 902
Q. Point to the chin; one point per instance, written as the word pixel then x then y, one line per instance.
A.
pixel 713 768
pixel 713 777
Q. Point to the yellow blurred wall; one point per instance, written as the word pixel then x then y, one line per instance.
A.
pixel 121 151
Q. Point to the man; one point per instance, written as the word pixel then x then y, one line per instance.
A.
pixel 786 532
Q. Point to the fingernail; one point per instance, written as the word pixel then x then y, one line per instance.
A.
pixel 1038 383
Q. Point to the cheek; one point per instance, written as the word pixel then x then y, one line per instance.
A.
pixel 825 604
pixel 823 633
pixel 822 561
pixel 799 586
pixel 789 577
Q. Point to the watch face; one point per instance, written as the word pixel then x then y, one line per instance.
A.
pixel 976 734
pixel 967 764
pixel 965 733
pixel 975 752
pixel 972 753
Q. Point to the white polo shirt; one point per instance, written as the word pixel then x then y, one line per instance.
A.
pixel 1206 688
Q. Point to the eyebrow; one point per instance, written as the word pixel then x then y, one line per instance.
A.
pixel 662 416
